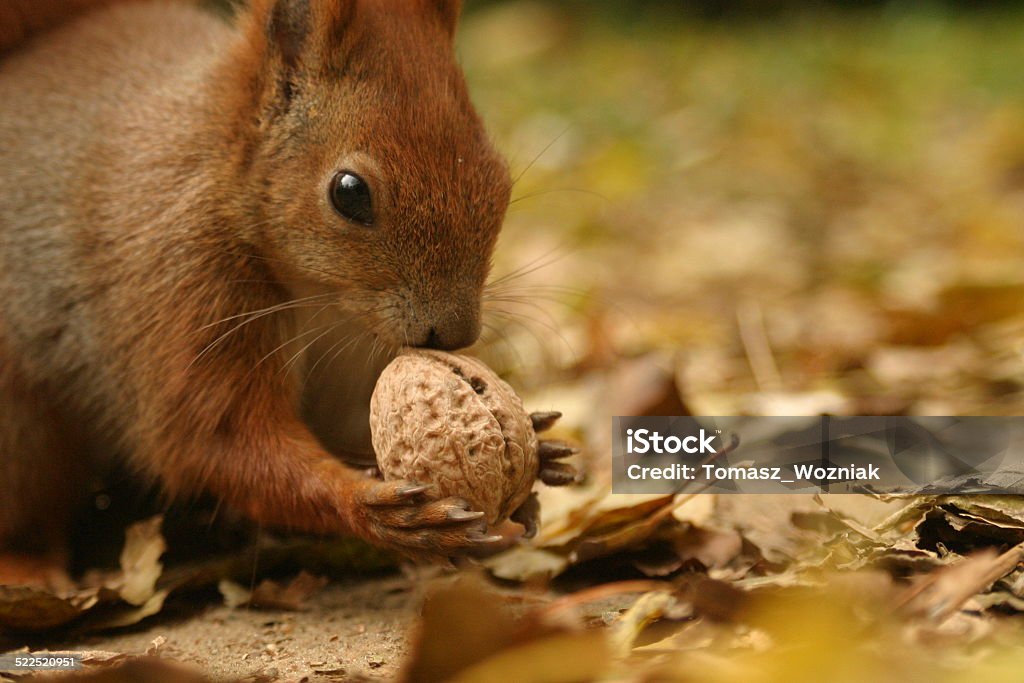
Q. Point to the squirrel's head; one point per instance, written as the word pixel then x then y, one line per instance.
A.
pixel 372 175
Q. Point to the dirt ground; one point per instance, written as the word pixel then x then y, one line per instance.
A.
pixel 356 629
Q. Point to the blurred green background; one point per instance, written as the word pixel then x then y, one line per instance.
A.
pixel 809 206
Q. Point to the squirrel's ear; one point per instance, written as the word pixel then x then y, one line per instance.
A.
pixel 449 11
pixel 288 29
pixel 298 26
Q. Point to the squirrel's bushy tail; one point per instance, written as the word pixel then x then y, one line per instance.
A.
pixel 21 19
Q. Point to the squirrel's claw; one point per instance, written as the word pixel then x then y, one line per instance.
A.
pixel 544 421
pixel 528 514
pixel 402 516
pixel 558 474
pixel 555 450
pixel 460 515
pixel 555 473
pixel 392 493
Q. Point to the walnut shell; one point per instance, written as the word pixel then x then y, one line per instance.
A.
pixel 448 420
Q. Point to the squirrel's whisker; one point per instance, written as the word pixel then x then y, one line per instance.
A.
pixel 540 154
pixel 254 316
pixel 541 193
pixel 543 261
pixel 291 340
pixel 268 309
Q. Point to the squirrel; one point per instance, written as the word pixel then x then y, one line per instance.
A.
pixel 214 235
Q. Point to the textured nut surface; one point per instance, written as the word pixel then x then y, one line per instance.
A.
pixel 448 420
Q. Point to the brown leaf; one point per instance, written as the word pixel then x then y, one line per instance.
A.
pixel 711 547
pixel 462 625
pixel 468 633
pixel 720 601
pixel 944 592
pixel 123 600
pixel 272 595
pixel 629 537
pixel 34 609
pixel 560 658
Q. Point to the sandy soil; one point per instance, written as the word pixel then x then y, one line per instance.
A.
pixel 350 630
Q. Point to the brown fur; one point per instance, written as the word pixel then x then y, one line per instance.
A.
pixel 163 176
pixel 20 20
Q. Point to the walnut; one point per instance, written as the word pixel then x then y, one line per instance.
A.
pixel 448 420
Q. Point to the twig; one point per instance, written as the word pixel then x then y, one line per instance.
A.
pixel 754 336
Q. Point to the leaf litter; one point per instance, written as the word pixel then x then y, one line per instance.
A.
pixel 650 586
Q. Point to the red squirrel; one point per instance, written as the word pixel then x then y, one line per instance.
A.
pixel 214 235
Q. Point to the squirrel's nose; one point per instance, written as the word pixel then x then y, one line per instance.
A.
pixel 433 340
pixel 451 334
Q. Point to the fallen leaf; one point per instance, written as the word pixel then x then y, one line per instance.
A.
pixel 469 633
pixel 647 609
pixel 121 600
pixel 941 593
pixel 140 561
pixel 559 658
pixel 233 593
pixel 272 595
pixel 526 563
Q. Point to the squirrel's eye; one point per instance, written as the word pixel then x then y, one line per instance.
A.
pixel 351 198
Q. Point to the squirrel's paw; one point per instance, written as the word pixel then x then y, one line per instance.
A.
pixel 401 516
